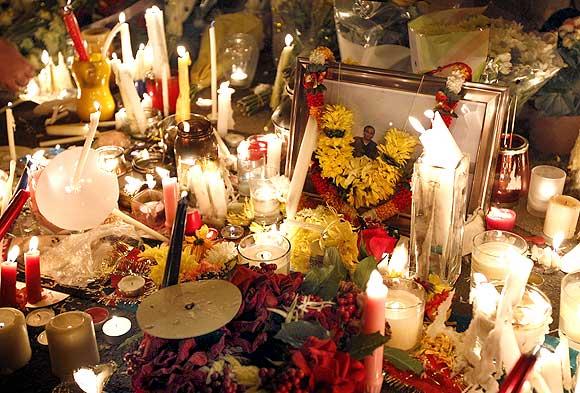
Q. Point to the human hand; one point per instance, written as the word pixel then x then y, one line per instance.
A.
pixel 15 70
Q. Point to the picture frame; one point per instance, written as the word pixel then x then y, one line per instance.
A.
pixel 387 98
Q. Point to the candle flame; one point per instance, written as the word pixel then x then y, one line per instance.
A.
pixel 97 106
pixel 33 244
pixel 86 379
pixel 184 194
pixel 32 88
pixel 10 104
pixel 224 85
pixel 45 57
pixel 288 39
pixel 132 185
pixel 375 281
pixel 13 253
pixel 122 17
pixel 416 124
pixel 150 180
pixel 429 114
pixel 181 51
pixel 154 9
pixel 557 241
pixel 162 172
pixel 114 56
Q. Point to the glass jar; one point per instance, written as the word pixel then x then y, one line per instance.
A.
pixel 92 78
pixel 265 247
pixel 570 309
pixel 251 155
pixel 195 140
pixel 240 59
pixel 512 172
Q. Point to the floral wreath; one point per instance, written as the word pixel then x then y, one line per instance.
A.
pixel 448 97
pixel 347 183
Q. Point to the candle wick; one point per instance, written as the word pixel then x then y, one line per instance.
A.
pixel 189 306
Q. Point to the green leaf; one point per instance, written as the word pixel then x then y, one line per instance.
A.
pixel 363 253
pixel 296 333
pixel 311 282
pixel 403 361
pixel 332 257
pixel 364 344
pixel 363 272
pixel 131 340
pixel 325 281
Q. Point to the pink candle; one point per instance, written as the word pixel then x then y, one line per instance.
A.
pixel 32 270
pixel 192 222
pixel 501 219
pixel 8 279
pixel 170 196
pixel 374 321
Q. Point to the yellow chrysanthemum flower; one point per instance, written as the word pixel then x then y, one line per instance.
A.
pixel 337 117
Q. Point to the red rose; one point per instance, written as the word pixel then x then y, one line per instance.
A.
pixel 440 96
pixel 328 370
pixel 377 242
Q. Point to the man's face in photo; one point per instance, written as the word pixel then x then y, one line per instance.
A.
pixel 368 133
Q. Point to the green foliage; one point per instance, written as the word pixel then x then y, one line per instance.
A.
pixel 364 344
pixel 324 281
pixel 403 361
pixel 363 271
pixel 296 333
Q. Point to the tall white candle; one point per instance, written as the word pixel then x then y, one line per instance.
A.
pixel 9 185
pixel 217 191
pixel 10 127
pixel 93 124
pixel 139 225
pixel 545 182
pixel 404 313
pixel 140 62
pixel 62 75
pixel 307 147
pixel 562 216
pixel 183 110
pixel 15 351
pixel 126 47
pixel 130 97
pixel 225 119
pixel 274 155
pixel 563 352
pixel 213 64
pixel 285 57
pixel 156 33
pixel 551 370
pixel 197 183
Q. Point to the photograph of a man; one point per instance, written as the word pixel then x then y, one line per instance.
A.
pixel 365 146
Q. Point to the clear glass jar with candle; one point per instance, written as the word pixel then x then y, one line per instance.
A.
pixel 264 196
pixel 195 140
pixel 491 254
pixel 147 207
pixel 546 181
pixel 240 59
pixel 512 172
pixel 112 159
pixel 251 155
pixel 265 247
pixel 404 312
pixel 570 309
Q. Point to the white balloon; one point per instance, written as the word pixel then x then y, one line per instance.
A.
pixel 76 208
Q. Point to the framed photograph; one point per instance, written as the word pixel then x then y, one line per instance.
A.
pixel 381 99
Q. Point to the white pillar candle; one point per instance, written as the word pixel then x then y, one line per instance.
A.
pixel 274 155
pixel 197 184
pixel 571 260
pixel 62 75
pixel 156 33
pixel 10 128
pixel 570 309
pixel 182 113
pixel 126 47
pixel 116 329
pixel 93 125
pixel 563 353
pixel 283 63
pixel 71 342
pixel 217 192
pixel 15 351
pixel 225 119
pixel 546 181
pixel 551 370
pixel 140 62
pixel 213 64
pixel 404 313
pixel 562 216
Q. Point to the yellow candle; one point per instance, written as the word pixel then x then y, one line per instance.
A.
pixel 15 349
pixel 213 63
pixel 71 342
pixel 183 101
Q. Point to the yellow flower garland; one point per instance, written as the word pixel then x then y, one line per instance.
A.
pixel 365 181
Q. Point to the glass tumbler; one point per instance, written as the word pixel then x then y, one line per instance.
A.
pixel 512 172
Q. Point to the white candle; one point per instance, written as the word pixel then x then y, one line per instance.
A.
pixel 126 47
pixel 492 259
pixel 45 75
pixel 62 75
pixel 15 351
pixel 156 33
pixel 71 342
pixel 571 260
pixel 116 329
pixel 10 128
pixel 217 192
pixel 213 64
pixel 551 370
pixel 140 62
pixel 562 216
pixel 563 353
pixel 307 147
pixel 570 309
pixel 238 76
pixel 139 225
pixel 147 102
pixel 148 59
pixel 404 312
pixel 265 200
pixel 285 57
pixel 93 124
pixel 274 154
pixel 182 113
pixel 121 119
pixel 225 119
pixel 7 195
pixel 131 285
pixel 546 181
pixel 131 101
pixel 198 185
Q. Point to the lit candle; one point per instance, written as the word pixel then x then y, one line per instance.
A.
pixel 285 57
pixel 265 247
pixel 274 154
pixel 183 110
pixel 131 101
pixel 265 202
pixel 546 181
pixel 131 286
pixel 45 76
pixel 39 317
pixel 551 370
pixel 225 119
pixel 198 185
pixel 93 124
pixel 126 47
pixel 399 263
pixel 193 222
pixel 156 34
pixel 404 312
pixel 570 309
pixel 10 128
pixel 62 77
pixel 502 219
pixel 238 76
pixel 116 329
pixel 217 192
pixel 490 253
pixel 170 195
pixel 373 322
pixel 8 279
pixel 32 272
pixel 213 63
pixel 562 216
pixel 71 343
pixel 15 351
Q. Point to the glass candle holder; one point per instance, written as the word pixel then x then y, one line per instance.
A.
pixel 491 254
pixel 251 155
pixel 154 88
pixel 404 311
pixel 570 309
pixel 265 247
pixel 546 181
pixel 240 59
pixel 531 316
pixel 147 207
pixel 264 195
pixel 512 172
pixel 112 159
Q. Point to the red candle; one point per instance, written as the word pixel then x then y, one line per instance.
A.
pixel 170 197
pixel 374 321
pixel 13 211
pixel 155 91
pixel 8 279
pixel 32 272
pixel 192 222
pixel 501 219
pixel 72 26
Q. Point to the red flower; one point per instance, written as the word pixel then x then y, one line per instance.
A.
pixel 440 96
pixel 377 242
pixel 328 370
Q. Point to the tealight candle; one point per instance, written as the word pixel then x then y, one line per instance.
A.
pixel 99 315
pixel 490 251
pixel 502 219
pixel 71 342
pixel 131 286
pixel 232 232
pixel 546 181
pixel 562 216
pixel 404 311
pixel 267 248
pixel 32 272
pixel 39 317
pixel 15 349
pixel 116 329
pixel 41 339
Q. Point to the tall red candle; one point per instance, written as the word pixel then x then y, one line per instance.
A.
pixel 72 26
pixel 13 211
pixel 8 279
pixel 32 271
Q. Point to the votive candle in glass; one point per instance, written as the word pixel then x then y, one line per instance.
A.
pixel 491 250
pixel 264 196
pixel 570 309
pixel 546 181
pixel 265 247
pixel 404 312
pixel 15 351
pixel 562 216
